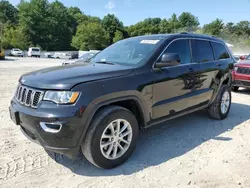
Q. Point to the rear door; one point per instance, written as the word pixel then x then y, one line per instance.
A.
pixel 202 53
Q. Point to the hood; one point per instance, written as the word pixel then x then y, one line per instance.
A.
pixel 65 77
pixel 73 61
pixel 244 63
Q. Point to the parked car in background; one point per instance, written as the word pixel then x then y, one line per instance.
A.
pixel 34 52
pixel 83 59
pixel 240 56
pixel 59 55
pixel 74 56
pixel 98 108
pixel 241 74
pixel 2 54
pixel 16 52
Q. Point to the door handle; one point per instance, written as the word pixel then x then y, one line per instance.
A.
pixel 219 64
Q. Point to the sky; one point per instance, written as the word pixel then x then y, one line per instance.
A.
pixel 132 11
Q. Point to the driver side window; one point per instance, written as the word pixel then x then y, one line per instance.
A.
pixel 182 48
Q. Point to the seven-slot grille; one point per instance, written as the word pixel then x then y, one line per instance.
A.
pixel 243 70
pixel 28 96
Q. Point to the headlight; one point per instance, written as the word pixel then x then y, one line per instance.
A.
pixel 61 97
pixel 235 68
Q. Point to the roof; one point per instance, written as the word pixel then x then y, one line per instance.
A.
pixel 182 34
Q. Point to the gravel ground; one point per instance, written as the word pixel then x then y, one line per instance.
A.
pixel 191 151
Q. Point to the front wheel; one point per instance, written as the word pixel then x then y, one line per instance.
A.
pixel 111 137
pixel 220 108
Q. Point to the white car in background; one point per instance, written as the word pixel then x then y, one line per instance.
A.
pixel 16 52
pixel 59 55
pixel 34 52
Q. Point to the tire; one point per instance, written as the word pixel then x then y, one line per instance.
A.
pixel 235 88
pixel 215 109
pixel 91 147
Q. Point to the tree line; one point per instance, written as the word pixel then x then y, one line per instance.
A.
pixel 53 26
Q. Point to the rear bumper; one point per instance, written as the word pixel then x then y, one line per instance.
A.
pixel 65 141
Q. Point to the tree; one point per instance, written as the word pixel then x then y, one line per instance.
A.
pixel 60 30
pixel 118 36
pixel 214 28
pixel 164 26
pixel 8 13
pixel 111 23
pixel 90 36
pixel 147 26
pixel 174 23
pixel 48 25
pixel 187 20
pixel 15 37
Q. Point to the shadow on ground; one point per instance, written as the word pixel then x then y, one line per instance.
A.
pixel 163 142
pixel 244 91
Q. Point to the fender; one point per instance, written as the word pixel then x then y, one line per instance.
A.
pixel 224 78
pixel 104 100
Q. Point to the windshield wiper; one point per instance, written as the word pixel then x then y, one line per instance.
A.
pixel 105 62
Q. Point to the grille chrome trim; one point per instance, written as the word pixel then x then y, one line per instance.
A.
pixel 28 96
pixel 243 70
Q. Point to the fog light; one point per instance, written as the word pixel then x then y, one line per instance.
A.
pixel 54 127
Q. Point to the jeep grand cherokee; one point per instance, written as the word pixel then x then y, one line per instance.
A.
pixel 99 108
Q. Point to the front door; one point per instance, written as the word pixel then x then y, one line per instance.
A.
pixel 174 86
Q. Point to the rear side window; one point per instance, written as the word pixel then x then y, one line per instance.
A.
pixel 220 51
pixel 202 51
pixel 181 47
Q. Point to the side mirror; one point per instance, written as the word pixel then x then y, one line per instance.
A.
pixel 168 59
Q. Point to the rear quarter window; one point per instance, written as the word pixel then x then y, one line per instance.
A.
pixel 201 51
pixel 220 51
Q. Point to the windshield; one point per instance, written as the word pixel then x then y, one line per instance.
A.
pixel 87 56
pixel 35 50
pixel 248 57
pixel 131 51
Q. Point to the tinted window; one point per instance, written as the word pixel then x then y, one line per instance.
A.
pixel 248 57
pixel 220 51
pixel 201 51
pixel 181 47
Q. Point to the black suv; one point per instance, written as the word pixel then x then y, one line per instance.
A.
pixel 99 107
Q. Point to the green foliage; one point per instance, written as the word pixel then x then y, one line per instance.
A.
pixel 111 23
pixel 52 26
pixel 187 20
pixel 214 28
pixel 8 13
pixel 90 36
pixel 15 37
pixel 164 26
pixel 118 36
pixel 147 26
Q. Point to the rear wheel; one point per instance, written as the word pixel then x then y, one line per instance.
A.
pixel 111 137
pixel 220 108
pixel 235 88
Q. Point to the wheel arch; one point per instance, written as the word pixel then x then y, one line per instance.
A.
pixel 104 101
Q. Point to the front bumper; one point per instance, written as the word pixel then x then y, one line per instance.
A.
pixel 241 80
pixel 65 141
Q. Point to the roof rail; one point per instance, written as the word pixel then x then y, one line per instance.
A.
pixel 183 32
